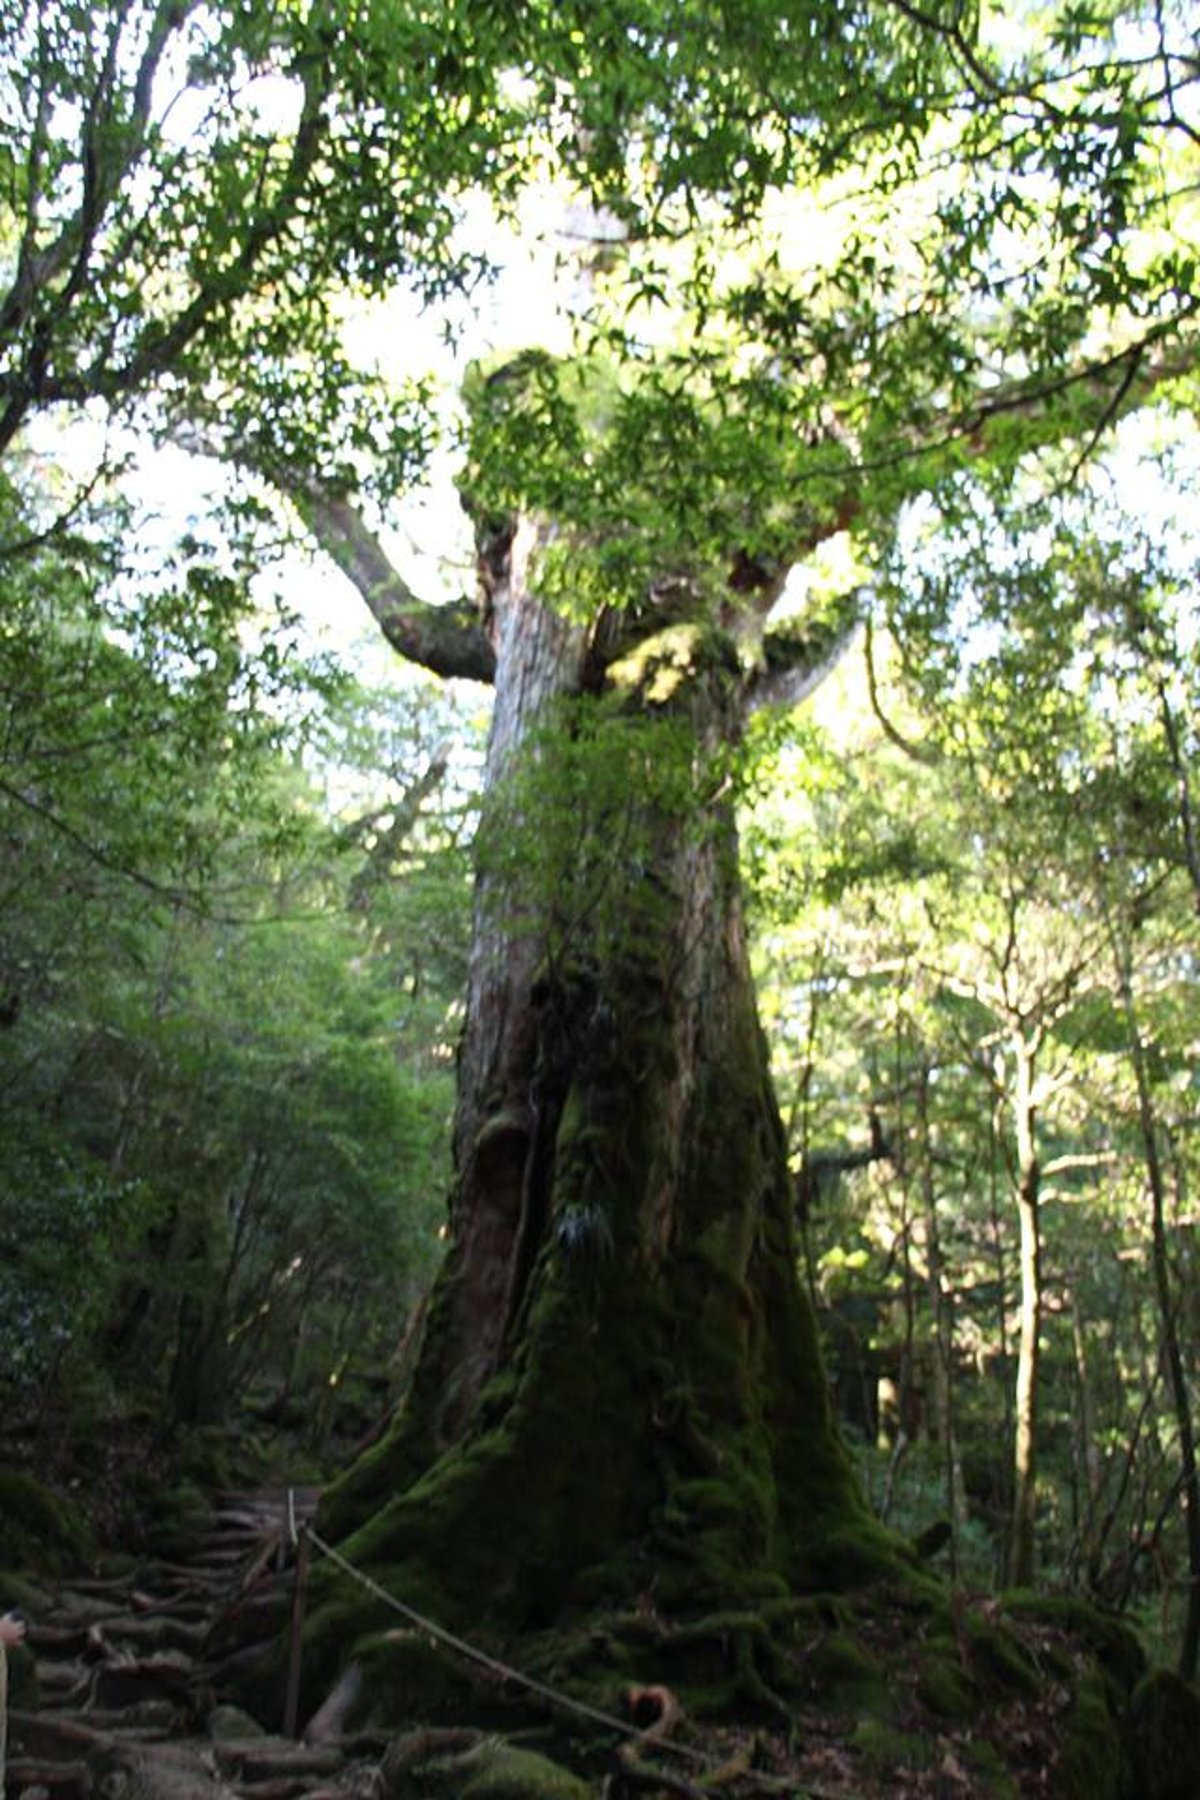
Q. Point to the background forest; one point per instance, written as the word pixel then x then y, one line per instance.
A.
pixel 236 877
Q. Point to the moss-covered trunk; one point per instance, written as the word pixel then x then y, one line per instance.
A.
pixel 619 1392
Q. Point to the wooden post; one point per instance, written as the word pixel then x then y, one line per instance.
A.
pixel 291 1705
pixel 3 1712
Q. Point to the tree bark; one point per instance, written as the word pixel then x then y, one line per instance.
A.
pixel 941 1318
pixel 1024 1515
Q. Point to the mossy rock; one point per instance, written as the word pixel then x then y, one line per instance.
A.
pixel 179 1514
pixel 1110 1639
pixel 818 1612
pixel 998 1660
pixel 205 1454
pixel 1092 1764
pixel 38 1529
pixel 843 1673
pixel 507 1772
pixel 985 1763
pixel 406 1675
pixel 1164 1737
pixel 859 1552
pixel 943 1685
pixel 419 1768
pixel 886 1751
pixel 17 1591
pixel 233 1725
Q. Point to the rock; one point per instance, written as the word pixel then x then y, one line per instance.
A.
pixel 429 1765
pixel 1164 1729
pixel 230 1723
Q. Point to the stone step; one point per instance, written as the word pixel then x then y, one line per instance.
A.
pixel 127 1673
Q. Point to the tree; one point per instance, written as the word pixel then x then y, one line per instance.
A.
pixel 618 1161
pixel 619 1370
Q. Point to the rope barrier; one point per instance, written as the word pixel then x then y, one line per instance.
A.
pixel 472 1653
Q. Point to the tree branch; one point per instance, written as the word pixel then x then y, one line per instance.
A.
pixel 447 640
pixel 100 177
pixel 161 345
pixel 797 660
pixel 106 158
pixel 921 753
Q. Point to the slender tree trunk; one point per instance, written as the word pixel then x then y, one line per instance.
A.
pixel 905 1409
pixel 1087 1460
pixel 1024 1513
pixel 619 1390
pixel 1189 1650
pixel 943 1335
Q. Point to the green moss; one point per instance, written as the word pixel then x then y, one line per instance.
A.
pixel 943 1685
pixel 998 1660
pixel 1112 1641
pixel 38 1529
pixel 208 1458
pixel 180 1513
pixel 984 1761
pixel 1164 1736
pixel 16 1590
pixel 840 1673
pixel 663 667
pixel 1092 1764
pixel 886 1751
pixel 802 1618
pixel 488 1770
pixel 409 1676
pixel 506 1772
pixel 857 1550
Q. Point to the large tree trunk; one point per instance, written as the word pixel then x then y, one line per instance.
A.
pixel 619 1391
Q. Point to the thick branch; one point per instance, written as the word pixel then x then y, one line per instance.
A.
pixel 447 640
pixel 797 657
pixel 787 686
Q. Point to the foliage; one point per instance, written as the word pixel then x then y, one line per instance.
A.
pixel 958 264
pixel 223 1131
pixel 944 859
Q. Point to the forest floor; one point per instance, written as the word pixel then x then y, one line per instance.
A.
pixel 128 1699
pixel 133 1704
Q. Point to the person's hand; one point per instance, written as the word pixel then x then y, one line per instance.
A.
pixel 12 1628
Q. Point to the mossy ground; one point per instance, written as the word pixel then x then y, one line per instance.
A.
pixel 896 1689
pixel 890 1688
pixel 38 1529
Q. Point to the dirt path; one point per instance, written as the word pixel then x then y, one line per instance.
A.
pixel 126 1695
